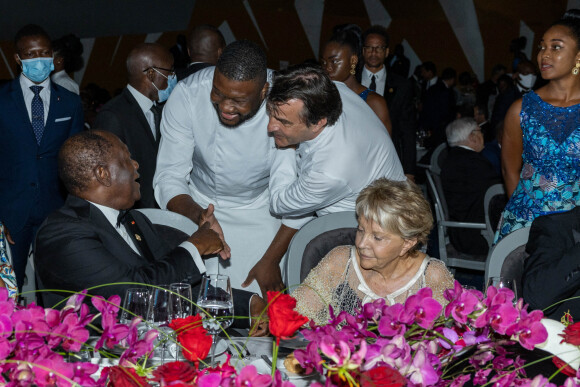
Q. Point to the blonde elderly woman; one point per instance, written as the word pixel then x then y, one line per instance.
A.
pixel 394 220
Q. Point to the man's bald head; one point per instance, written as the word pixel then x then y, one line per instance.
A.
pixel 142 63
pixel 80 155
pixel 205 44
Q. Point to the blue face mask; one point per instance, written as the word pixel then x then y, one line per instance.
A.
pixel 37 69
pixel 162 95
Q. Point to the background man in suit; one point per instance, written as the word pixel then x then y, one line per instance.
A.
pixel 465 176
pixel 551 271
pixel 205 45
pixel 91 242
pixel 438 105
pixel 135 115
pixel 397 91
pixel 36 117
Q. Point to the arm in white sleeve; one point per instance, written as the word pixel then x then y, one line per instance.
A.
pixel 292 195
pixel 174 159
pixel 190 247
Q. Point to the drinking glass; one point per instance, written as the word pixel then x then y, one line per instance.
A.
pixel 216 306
pixel 181 304
pixel 503 282
pixel 159 315
pixel 135 304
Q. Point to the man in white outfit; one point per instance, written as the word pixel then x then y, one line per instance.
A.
pixel 216 167
pixel 342 146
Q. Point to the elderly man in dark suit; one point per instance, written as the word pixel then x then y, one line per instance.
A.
pixel 91 241
pixel 552 269
pixel 135 115
pixel 36 117
pixel 465 176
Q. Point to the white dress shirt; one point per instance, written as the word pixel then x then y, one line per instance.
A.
pixel 332 169
pixel 28 94
pixel 111 214
pixel 228 167
pixel 380 79
pixel 61 78
pixel 145 104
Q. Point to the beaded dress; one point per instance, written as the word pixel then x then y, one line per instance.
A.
pixel 337 280
pixel 550 177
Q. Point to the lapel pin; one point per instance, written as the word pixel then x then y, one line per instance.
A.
pixel 138 237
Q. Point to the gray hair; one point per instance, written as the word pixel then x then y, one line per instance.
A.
pixel 459 130
pixel 398 207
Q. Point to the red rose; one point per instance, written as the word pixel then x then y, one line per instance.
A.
pixel 125 377
pixel 173 372
pixel 284 320
pixel 180 325
pixel 567 370
pixel 195 344
pixel 571 334
pixel 383 376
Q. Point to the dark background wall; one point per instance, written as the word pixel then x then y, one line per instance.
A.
pixel 431 28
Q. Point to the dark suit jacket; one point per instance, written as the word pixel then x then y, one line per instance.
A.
pixel 552 270
pixel 190 69
pixel 29 177
pixel 123 116
pixel 77 248
pixel 438 109
pixel 465 176
pixel 399 97
pixel 400 66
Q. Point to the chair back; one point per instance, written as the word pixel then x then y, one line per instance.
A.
pixel 494 202
pixel 172 227
pixel 438 157
pixel 447 253
pixel 317 226
pixel 321 245
pixel 506 259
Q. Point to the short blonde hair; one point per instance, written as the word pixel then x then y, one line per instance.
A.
pixel 399 207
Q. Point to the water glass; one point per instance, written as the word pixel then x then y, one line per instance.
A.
pixel 215 305
pixel 503 282
pixel 135 304
pixel 181 304
pixel 159 315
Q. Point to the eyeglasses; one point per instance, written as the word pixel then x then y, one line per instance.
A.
pixel 477 130
pixel 170 71
pixel 377 49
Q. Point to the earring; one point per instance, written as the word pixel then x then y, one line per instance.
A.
pixel 576 69
pixel 352 68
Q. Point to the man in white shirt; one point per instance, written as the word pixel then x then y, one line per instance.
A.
pixel 214 163
pixel 341 146
pixel 135 114
pixel 397 91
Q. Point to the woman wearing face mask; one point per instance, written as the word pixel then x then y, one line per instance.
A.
pixel 340 59
pixel 540 152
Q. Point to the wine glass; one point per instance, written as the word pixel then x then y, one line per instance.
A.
pixel 135 304
pixel 215 304
pixel 159 315
pixel 181 305
pixel 503 282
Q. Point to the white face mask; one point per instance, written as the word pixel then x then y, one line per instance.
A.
pixel 527 81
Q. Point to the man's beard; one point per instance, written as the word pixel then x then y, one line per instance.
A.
pixel 243 118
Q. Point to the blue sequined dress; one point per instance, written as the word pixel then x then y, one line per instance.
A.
pixel 550 177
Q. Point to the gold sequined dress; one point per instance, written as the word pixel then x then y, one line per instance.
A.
pixel 337 280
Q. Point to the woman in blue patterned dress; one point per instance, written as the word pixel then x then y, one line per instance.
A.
pixel 541 140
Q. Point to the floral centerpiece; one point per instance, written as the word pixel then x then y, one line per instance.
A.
pixel 46 347
pixel 416 343
pixel 422 343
